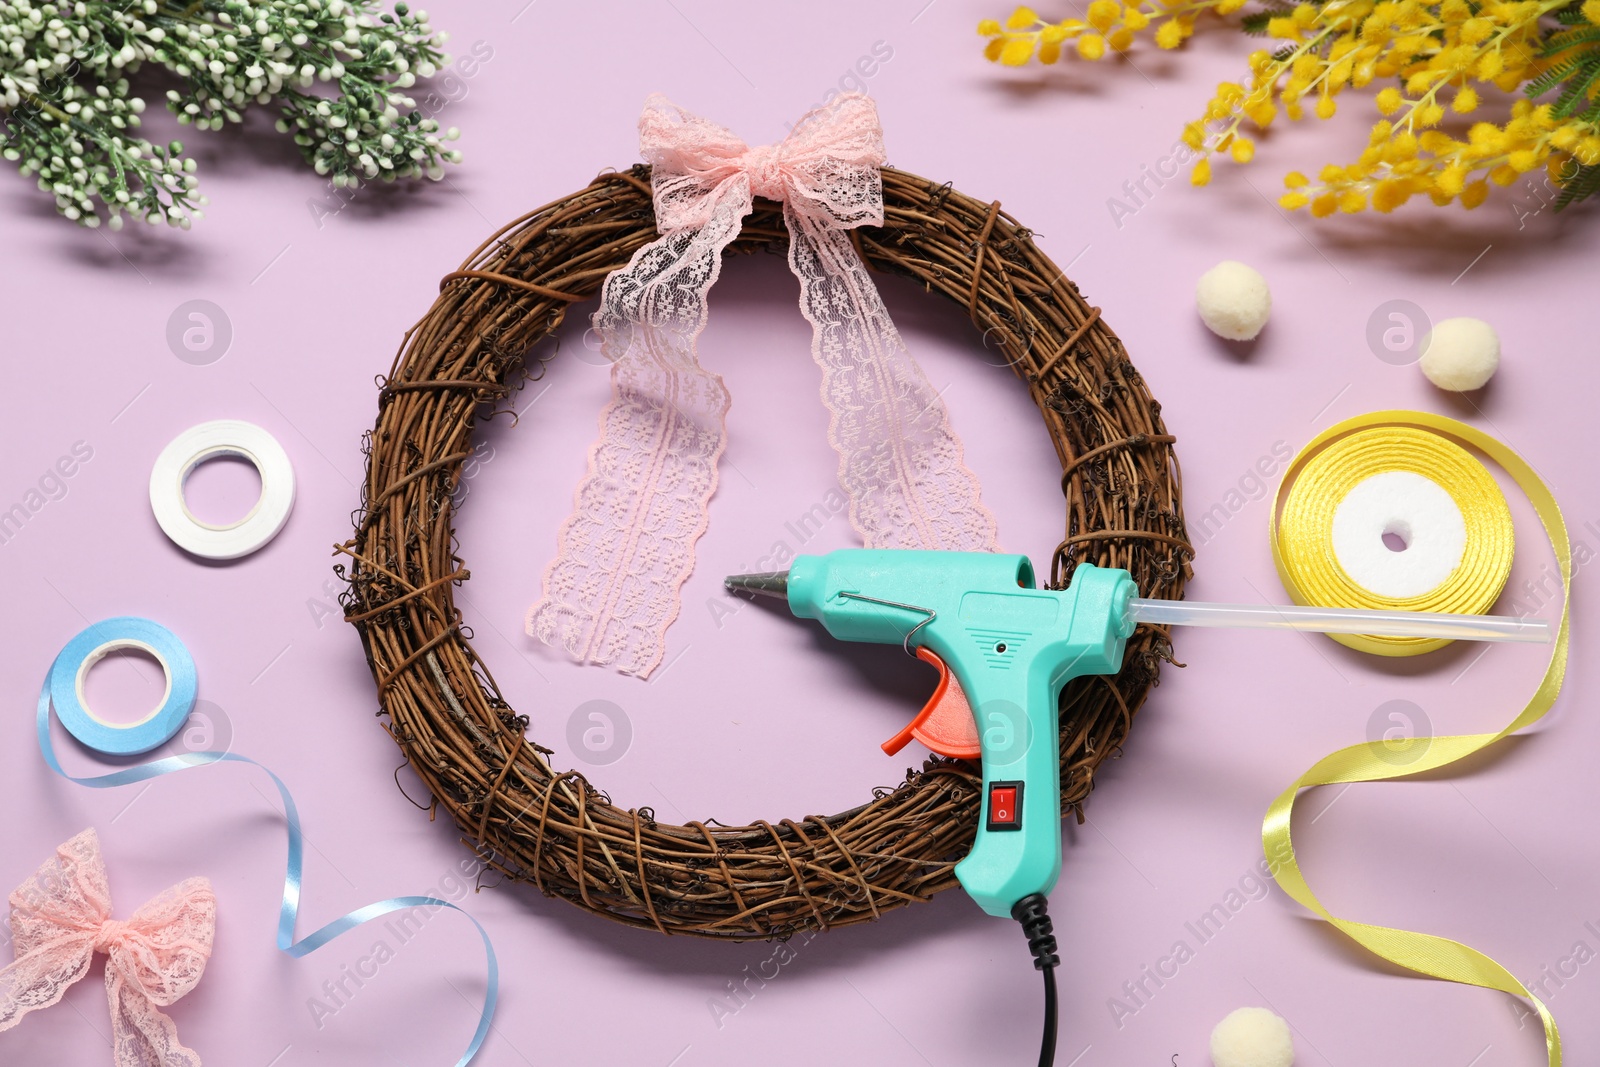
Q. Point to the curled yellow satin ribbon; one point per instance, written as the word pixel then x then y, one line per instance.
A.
pixel 1372 761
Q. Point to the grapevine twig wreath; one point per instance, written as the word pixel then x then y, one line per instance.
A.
pixel 1123 496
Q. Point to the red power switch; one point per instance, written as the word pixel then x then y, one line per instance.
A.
pixel 1005 806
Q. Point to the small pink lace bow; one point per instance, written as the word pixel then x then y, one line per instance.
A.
pixel 62 916
pixel 612 590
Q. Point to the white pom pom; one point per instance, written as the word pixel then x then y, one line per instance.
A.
pixel 1252 1037
pixel 1233 300
pixel 1460 354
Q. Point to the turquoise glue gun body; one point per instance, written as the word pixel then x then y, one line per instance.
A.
pixel 1010 646
pixel 1004 650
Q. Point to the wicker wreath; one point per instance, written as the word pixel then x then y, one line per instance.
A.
pixel 460 364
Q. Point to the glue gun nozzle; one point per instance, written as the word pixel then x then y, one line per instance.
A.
pixel 769 583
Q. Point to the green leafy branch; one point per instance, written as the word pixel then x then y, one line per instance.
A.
pixel 336 70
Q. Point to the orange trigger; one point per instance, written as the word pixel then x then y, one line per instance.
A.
pixel 945 724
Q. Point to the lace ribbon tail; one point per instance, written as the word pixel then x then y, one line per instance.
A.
pixel 41 977
pixel 626 549
pixel 900 462
pixel 142 1035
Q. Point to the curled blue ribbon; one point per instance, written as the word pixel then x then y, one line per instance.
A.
pixel 290 909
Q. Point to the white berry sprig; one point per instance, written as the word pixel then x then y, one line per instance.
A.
pixel 337 72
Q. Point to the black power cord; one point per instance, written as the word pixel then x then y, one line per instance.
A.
pixel 1032 911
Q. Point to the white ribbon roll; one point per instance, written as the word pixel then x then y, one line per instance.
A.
pixel 209 440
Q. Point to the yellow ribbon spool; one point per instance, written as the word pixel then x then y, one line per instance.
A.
pixel 1337 457
pixel 1302 534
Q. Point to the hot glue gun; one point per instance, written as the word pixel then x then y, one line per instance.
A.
pixel 1003 650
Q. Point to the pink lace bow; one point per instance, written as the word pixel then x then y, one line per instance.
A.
pixel 624 552
pixel 62 916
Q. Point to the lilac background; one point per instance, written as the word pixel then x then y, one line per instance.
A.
pixel 760 717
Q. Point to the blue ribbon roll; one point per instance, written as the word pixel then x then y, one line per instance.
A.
pixel 71 667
